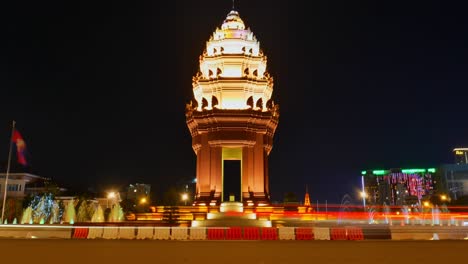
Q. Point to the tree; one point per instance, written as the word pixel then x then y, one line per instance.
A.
pixel 171 197
pixel 290 197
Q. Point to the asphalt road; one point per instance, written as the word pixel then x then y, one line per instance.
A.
pixel 226 252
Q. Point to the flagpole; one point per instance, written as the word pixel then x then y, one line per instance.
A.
pixel 8 169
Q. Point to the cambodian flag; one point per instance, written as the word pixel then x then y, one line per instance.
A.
pixel 20 147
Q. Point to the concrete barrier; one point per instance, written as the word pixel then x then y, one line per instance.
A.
pixel 269 233
pixel 354 233
pixel 197 233
pixel 322 233
pixel 304 233
pixel 286 233
pixel 251 233
pixel 369 232
pixel 429 233
pixel 215 233
pixel 111 232
pixel 144 232
pixel 126 232
pixel 234 233
pixel 95 232
pixel 162 233
pixel 377 232
pixel 338 233
pixel 179 233
pixel 35 231
pixel 80 232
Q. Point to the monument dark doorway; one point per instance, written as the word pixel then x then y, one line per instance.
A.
pixel 232 180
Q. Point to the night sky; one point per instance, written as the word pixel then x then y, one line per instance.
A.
pixel 98 88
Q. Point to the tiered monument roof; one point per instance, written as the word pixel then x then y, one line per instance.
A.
pixel 233 70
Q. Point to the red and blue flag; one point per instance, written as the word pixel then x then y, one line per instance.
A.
pixel 20 148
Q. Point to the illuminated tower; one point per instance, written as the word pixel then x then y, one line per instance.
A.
pixel 461 155
pixel 232 116
pixel 307 198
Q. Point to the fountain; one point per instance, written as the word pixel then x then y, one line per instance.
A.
pixel 405 212
pixel 416 215
pixel 344 207
pixel 98 215
pixel 371 214
pixel 435 215
pixel 15 221
pixel 39 209
pixel 445 211
pixel 386 212
pixel 27 216
pixel 116 214
pixel 83 215
pixel 70 214
pixel 55 215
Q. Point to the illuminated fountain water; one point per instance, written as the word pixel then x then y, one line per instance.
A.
pixel 344 208
pixel 445 211
pixel 416 216
pixel 55 213
pixel 116 214
pixel 435 215
pixel 27 216
pixel 371 214
pixel 70 214
pixel 405 212
pixel 83 212
pixel 98 215
pixel 386 212
pixel 41 210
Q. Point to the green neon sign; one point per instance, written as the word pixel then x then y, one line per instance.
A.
pixel 379 172
pixel 432 170
pixel 363 172
pixel 409 171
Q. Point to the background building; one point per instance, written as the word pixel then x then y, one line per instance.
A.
pixel 454 179
pixel 138 193
pixel 18 184
pixel 398 186
pixel 461 155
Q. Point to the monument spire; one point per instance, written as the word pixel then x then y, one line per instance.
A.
pixel 233 4
pixel 307 198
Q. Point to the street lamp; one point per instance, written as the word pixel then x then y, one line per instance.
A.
pixel 110 195
pixel 185 198
pixel 363 195
pixel 425 204
pixel 443 197
pixel 143 200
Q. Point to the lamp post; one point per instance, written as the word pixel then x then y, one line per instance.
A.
pixel 425 204
pixel 363 194
pixel 185 198
pixel 110 195
pixel 443 197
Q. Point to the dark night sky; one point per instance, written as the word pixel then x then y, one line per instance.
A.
pixel 98 89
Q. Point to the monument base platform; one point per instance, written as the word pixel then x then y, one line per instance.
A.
pixel 227 220
pixel 231 214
